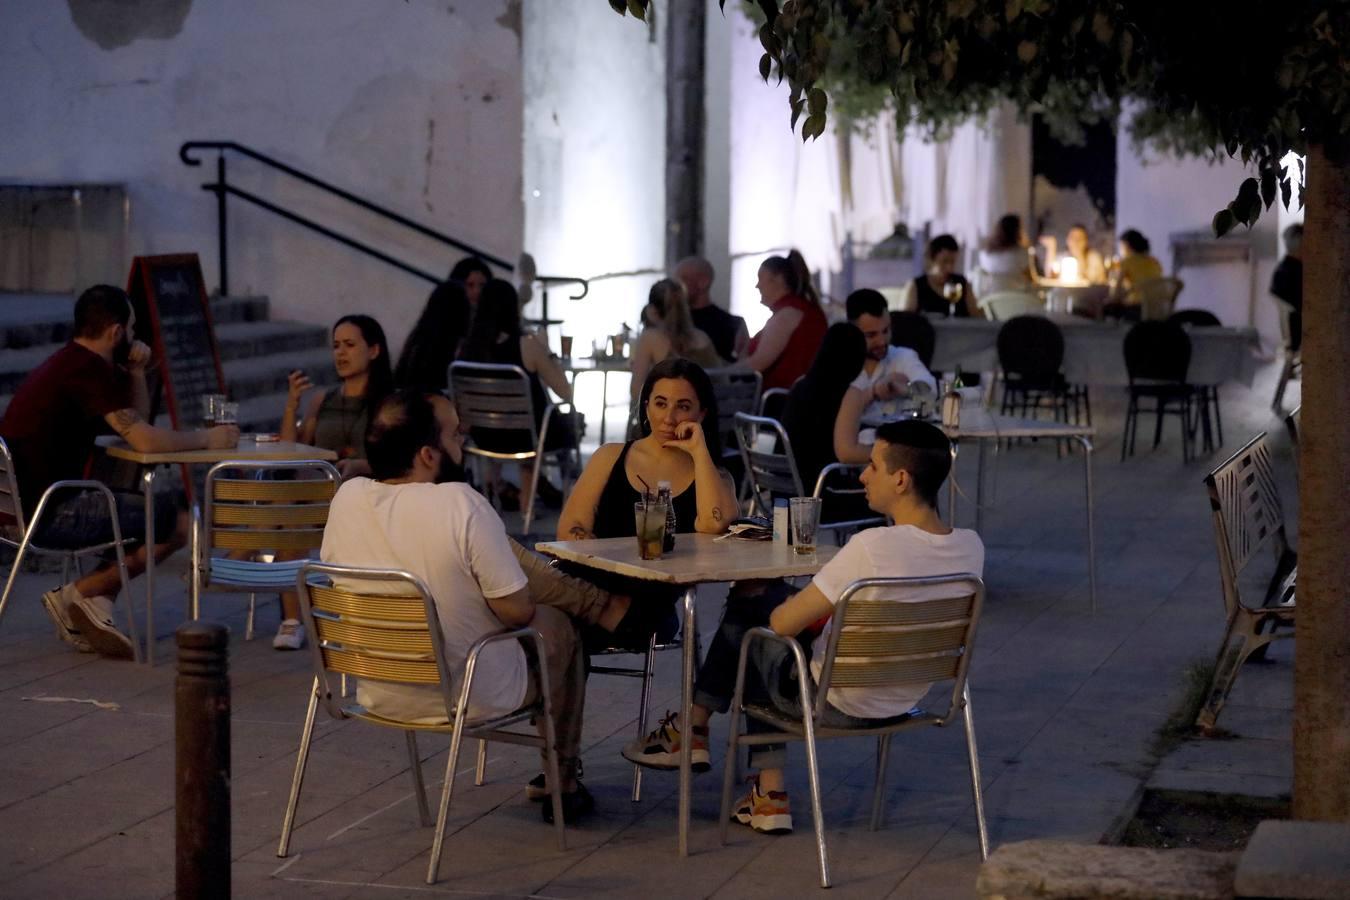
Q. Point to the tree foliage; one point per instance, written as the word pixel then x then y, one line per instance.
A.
pixel 1254 80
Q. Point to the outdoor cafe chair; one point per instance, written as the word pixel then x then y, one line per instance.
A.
pixel 388 630
pixel 497 397
pixel 1004 305
pixel 19 534
pixel 913 330
pixel 1157 356
pixel 772 403
pixel 884 632
pixel 1031 354
pixel 1154 297
pixel 1247 519
pixel 1203 318
pixel 771 470
pixel 1291 364
pixel 248 511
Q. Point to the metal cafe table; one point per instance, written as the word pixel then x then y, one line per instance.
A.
pixel 697 559
pixel 247 449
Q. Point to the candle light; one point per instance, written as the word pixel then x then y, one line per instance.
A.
pixel 1068 268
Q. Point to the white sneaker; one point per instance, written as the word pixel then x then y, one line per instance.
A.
pixel 290 635
pixel 93 616
pixel 57 603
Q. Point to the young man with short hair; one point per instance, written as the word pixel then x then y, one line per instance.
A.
pixel 94 383
pixel 909 462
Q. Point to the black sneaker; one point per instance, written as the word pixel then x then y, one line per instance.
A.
pixel 576 805
pixel 536 789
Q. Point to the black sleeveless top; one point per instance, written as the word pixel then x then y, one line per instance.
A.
pixel 614 513
pixel 931 301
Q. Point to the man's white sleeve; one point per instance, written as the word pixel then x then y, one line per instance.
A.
pixel 489 553
pixel 848 565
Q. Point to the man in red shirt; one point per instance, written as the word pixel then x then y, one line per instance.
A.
pixel 93 383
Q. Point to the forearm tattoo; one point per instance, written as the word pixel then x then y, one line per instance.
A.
pixel 717 514
pixel 578 533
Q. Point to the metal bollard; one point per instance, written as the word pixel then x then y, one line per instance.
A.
pixel 202 761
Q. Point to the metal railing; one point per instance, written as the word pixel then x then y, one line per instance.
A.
pixel 222 188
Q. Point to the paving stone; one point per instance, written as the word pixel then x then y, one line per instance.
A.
pixel 1048 869
pixel 1305 860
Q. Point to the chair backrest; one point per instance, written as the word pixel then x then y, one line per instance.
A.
pixel 245 510
pixel 1157 351
pixel 737 391
pixel 1004 305
pixel 11 506
pixel 1155 297
pixel 489 395
pixel 913 330
pixel 895 631
pixel 386 629
pixel 1031 348
pixel 1196 318
pixel 769 464
pixel 1247 513
pixel 772 403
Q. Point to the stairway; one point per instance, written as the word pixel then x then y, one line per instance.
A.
pixel 256 353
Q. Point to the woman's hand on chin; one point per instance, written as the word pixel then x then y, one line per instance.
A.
pixel 688 438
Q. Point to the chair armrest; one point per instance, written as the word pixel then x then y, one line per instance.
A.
pixel 85 484
pixel 798 657
pixel 829 470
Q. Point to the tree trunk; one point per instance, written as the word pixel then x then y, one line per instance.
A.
pixel 685 51
pixel 1322 655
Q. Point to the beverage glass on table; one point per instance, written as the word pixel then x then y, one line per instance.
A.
pixel 952 290
pixel 565 341
pixel 650 518
pixel 211 404
pixel 805 522
pixel 228 413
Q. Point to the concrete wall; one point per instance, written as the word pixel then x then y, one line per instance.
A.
pixel 415 104
pixel 594 139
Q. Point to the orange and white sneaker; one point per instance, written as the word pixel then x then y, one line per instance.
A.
pixel 767 813
pixel 661 748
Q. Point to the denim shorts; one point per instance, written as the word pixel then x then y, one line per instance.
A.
pixel 75 519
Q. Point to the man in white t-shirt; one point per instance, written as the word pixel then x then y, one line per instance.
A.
pixel 909 462
pixel 417 514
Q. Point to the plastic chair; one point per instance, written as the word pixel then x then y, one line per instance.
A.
pixel 1247 518
pixel 1154 297
pixel 1291 324
pixel 396 637
pixel 1005 305
pixel 1203 318
pixel 498 397
pixel 1157 355
pixel 244 510
pixel 11 506
pixel 878 638
pixel 913 330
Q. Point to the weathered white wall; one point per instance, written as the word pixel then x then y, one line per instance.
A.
pixel 1161 195
pixel 594 159
pixel 415 104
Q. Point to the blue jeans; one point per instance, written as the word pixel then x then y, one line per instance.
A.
pixel 770 675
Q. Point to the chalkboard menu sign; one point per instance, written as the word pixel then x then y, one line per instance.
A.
pixel 169 296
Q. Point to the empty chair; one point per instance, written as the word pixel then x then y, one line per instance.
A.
pixel 1203 318
pixel 1247 519
pixel 389 631
pixel 879 638
pixel 913 330
pixel 1005 305
pixel 1157 356
pixel 1031 353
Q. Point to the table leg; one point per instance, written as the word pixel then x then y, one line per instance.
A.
pixel 1091 536
pixel 979 486
pixel 951 486
pixel 148 492
pixel 604 402
pixel 686 711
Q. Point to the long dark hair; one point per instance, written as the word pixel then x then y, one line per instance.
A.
pixel 1007 234
pixel 840 359
pixel 380 377
pixel 498 313
pixel 467 266
pixel 435 339
pixel 692 372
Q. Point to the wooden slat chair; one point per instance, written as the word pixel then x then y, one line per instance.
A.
pixel 244 510
pixel 880 638
pixel 1247 518
pixel 771 470
pixel 389 631
pixel 17 532
pixel 498 397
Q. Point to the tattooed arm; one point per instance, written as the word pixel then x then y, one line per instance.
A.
pixel 147 438
pixel 577 520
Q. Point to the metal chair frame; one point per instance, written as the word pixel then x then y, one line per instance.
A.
pixel 12 504
pixel 257 513
pixel 769 473
pixel 1247 517
pixel 770 397
pixel 492 395
pixel 1163 392
pixel 875 642
pixel 397 638
pixel 1027 396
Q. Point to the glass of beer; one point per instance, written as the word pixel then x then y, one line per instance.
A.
pixel 566 343
pixel 805 521
pixel 650 518
pixel 211 404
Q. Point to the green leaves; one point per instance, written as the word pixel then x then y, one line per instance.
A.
pixel 636 8
pixel 1224 220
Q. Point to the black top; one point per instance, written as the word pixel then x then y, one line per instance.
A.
pixel 614 513
pixel 1287 282
pixel 931 301
pixel 719 325
pixel 812 437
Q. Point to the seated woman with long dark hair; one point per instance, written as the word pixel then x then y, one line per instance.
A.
pixel 435 339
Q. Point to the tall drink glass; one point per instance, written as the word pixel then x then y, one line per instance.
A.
pixel 805 523
pixel 650 519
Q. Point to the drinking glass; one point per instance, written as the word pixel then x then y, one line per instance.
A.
pixel 952 290
pixel 211 404
pixel 651 528
pixel 805 521
pixel 566 343
pixel 227 413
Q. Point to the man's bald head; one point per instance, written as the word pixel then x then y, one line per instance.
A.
pixel 696 274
